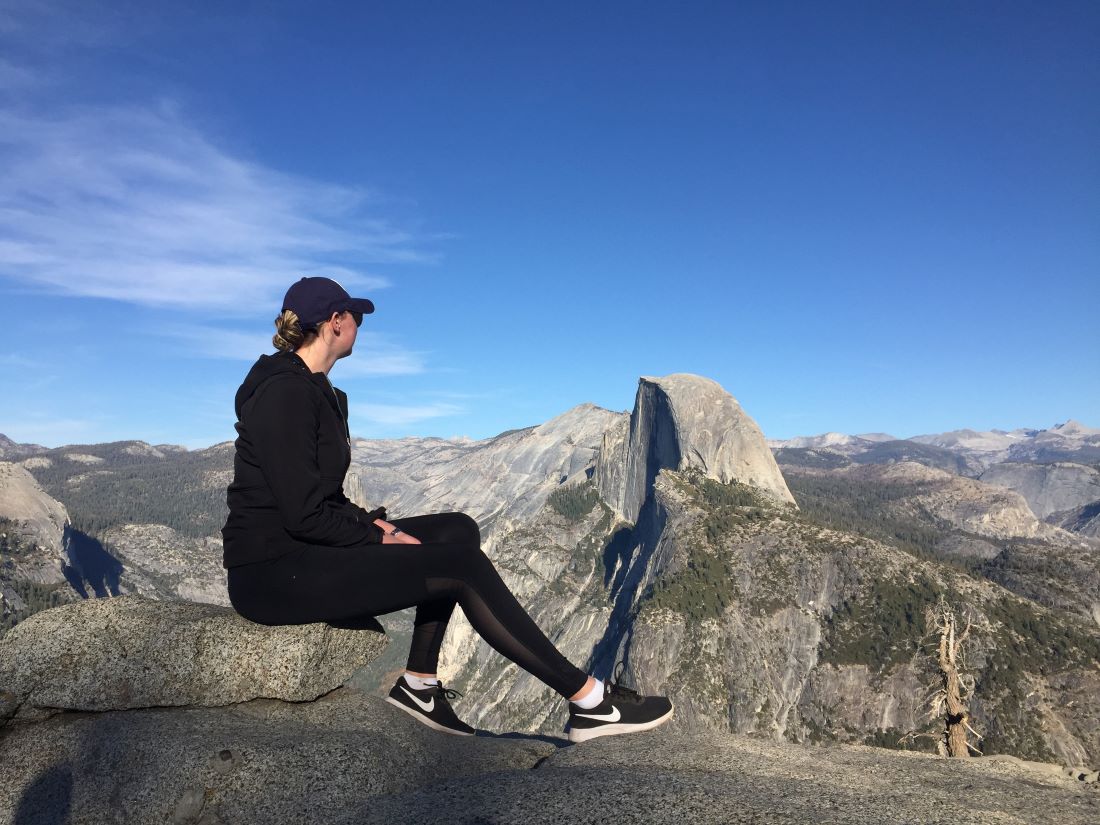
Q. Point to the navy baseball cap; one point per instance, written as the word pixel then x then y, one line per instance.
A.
pixel 314 300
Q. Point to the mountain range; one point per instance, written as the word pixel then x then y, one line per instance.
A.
pixel 773 588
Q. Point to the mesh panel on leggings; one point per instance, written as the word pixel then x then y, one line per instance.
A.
pixel 429 627
pixel 537 656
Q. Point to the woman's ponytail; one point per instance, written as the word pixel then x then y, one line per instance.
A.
pixel 288 331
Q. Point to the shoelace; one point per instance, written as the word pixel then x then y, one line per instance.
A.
pixel 447 693
pixel 620 691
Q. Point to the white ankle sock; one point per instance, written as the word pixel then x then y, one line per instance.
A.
pixel 592 698
pixel 418 682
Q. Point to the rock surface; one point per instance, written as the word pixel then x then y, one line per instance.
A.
pixel 1048 488
pixel 661 777
pixel 982 509
pixel 1084 520
pixel 264 761
pixel 39 520
pixel 747 613
pixel 683 421
pixel 160 563
pixel 131 652
pixel 498 481
pixel 350 758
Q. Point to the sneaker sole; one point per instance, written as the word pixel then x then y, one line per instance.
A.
pixel 425 720
pixel 584 734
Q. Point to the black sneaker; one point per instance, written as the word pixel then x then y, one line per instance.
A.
pixel 621 711
pixel 429 705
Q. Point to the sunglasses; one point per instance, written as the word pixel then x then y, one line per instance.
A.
pixel 357 317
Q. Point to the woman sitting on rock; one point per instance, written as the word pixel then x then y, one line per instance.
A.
pixel 298 551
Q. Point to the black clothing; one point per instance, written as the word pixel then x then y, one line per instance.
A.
pixel 293 450
pixel 333 584
pixel 298 551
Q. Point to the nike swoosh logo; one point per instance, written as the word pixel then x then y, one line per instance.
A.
pixel 614 716
pixel 424 706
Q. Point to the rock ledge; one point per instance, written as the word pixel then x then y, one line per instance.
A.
pixel 132 652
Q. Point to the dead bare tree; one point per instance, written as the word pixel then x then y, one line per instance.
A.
pixel 949 696
pixel 950 700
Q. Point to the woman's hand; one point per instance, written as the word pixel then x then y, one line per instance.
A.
pixel 400 538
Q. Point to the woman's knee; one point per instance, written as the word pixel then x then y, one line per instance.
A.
pixel 462 559
pixel 464 529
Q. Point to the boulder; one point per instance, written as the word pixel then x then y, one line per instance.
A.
pixel 133 652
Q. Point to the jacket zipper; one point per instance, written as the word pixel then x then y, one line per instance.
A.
pixel 340 410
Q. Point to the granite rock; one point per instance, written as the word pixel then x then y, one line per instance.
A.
pixel 264 761
pixel 662 776
pixel 351 758
pixel 133 652
pixel 38 522
pixel 683 421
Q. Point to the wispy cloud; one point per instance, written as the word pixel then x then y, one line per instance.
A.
pixel 18 361
pixel 374 354
pixel 213 342
pixel 398 415
pixel 136 204
pixel 39 429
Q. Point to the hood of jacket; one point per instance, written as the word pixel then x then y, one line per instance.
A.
pixel 268 366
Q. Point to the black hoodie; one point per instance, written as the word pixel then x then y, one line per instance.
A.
pixel 293 450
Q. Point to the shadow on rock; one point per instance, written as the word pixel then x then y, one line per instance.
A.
pixel 90 566
pixel 556 741
pixel 358 623
pixel 47 799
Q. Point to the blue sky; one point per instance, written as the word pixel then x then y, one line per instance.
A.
pixel 876 216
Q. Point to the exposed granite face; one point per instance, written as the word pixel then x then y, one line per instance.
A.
pixel 160 563
pixel 1048 488
pixel 350 758
pixel 682 421
pixel 132 652
pixel 498 481
pixel 39 522
pixel 578 576
pixel 1084 520
pixel 980 508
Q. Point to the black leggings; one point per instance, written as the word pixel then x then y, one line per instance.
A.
pixel 331 584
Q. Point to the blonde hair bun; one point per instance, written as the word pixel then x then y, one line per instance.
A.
pixel 288 331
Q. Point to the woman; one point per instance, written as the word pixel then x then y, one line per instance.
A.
pixel 298 551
